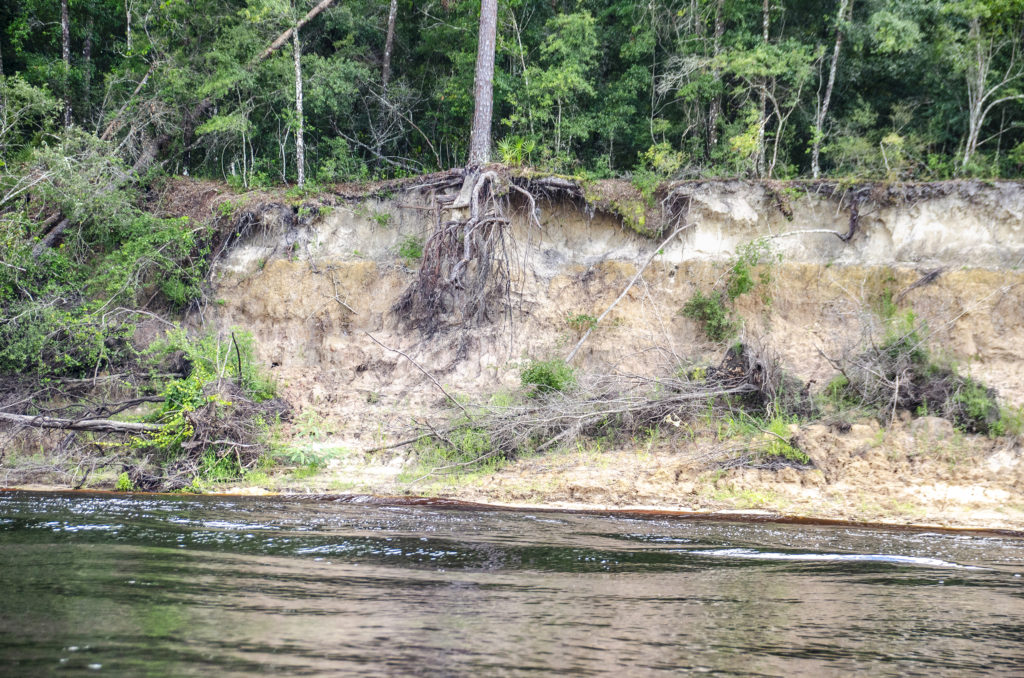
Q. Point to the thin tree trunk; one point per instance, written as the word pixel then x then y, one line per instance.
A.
pixel 483 85
pixel 87 69
pixel 300 146
pixel 389 43
pixel 716 101
pixel 819 121
pixel 128 26
pixel 759 161
pixel 1 58
pixel 65 33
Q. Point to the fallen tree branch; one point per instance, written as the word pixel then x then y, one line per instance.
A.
pixel 657 250
pixel 287 35
pixel 96 425
pixel 415 364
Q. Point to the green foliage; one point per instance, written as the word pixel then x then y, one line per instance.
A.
pixel 741 273
pixel 411 249
pixel 772 431
pixel 592 85
pixel 713 311
pixel 124 483
pixel 547 376
pixel 904 337
pixel 516 151
pixel 214 356
pixel 716 320
pixel 978 408
pixel 466 450
pixel 581 322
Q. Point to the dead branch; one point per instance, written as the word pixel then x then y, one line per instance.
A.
pixel 636 277
pixel 927 279
pixel 419 367
pixel 287 35
pixel 96 425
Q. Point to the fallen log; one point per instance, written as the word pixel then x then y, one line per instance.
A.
pixel 95 425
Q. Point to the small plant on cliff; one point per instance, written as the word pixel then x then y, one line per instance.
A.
pixel 581 322
pixel 411 249
pixel 547 376
pixel 713 311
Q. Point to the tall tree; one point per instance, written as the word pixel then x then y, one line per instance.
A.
pixel 65 42
pixel 483 85
pixel 819 117
pixel 389 43
pixel 763 123
pixel 991 59
pixel 715 109
pixel 300 143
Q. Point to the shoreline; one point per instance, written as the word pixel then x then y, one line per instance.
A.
pixel 640 511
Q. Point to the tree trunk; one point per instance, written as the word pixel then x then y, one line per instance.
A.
pixel 819 120
pixel 96 425
pixel 128 26
pixel 483 85
pixel 389 43
pixel 300 146
pixel 759 162
pixel 87 69
pixel 716 101
pixel 65 41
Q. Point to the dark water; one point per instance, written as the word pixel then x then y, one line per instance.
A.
pixel 107 585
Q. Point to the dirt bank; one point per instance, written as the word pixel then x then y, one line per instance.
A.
pixel 313 293
pixel 316 284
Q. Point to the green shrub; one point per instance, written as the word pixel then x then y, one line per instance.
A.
pixel 715 319
pixel 581 322
pixel 124 483
pixel 976 409
pixel 411 249
pixel 741 273
pixel 547 376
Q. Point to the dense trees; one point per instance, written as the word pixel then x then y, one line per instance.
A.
pixel 779 88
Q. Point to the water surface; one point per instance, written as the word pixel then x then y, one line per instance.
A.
pixel 207 586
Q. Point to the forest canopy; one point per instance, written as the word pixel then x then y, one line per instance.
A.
pixel 910 90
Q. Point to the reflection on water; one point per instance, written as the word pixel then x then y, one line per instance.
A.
pixel 106 585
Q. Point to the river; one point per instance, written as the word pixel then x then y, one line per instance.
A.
pixel 212 586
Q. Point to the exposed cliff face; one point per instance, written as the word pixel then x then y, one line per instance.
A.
pixel 311 292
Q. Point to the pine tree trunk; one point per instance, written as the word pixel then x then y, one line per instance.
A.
pixel 65 32
pixel 389 43
pixel 819 121
pixel 483 86
pixel 300 146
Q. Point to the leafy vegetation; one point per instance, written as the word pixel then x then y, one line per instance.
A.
pixel 714 310
pixel 666 89
pixel 411 249
pixel 547 376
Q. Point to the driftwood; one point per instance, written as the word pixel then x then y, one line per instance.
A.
pixel 95 425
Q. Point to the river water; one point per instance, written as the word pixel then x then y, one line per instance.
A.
pixel 213 586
